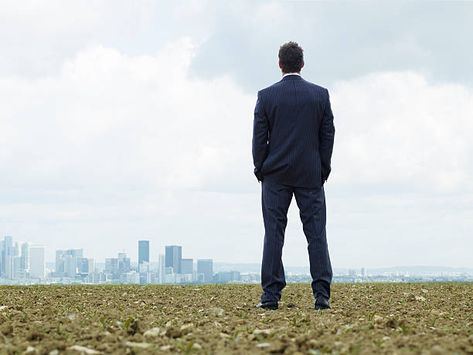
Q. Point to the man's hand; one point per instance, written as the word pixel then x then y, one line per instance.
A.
pixel 258 175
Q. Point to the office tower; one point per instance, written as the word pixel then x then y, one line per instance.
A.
pixel 111 266
pixel 187 266
pixel 161 269
pixel 18 271
pixel 66 262
pixel 8 266
pixel 144 273
pixel 70 265
pixel 59 264
pixel 173 257
pixel 16 249
pixel 8 253
pixel 91 265
pixel 205 268
pixel 25 256
pixel 143 251
pixel 7 250
pixel 37 265
pixel 83 266
pixel 124 263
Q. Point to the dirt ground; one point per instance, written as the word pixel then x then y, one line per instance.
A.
pixel 220 319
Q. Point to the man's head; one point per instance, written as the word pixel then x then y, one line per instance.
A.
pixel 291 58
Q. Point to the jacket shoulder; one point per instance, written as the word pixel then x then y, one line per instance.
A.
pixel 264 91
pixel 317 88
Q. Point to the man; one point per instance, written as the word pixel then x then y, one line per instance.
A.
pixel 293 135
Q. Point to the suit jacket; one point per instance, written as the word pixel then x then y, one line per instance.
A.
pixel 293 133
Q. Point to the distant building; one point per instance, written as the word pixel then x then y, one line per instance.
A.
pixel 67 262
pixel 18 271
pixel 124 263
pixel 84 266
pixel 25 256
pixel 143 251
pixel 187 266
pixel 205 270
pixel 37 264
pixel 227 276
pixel 131 277
pixel 115 268
pixel 7 251
pixel 8 266
pixel 144 271
pixel 173 258
pixel 161 269
pixel 91 265
pixel 70 265
pixel 111 266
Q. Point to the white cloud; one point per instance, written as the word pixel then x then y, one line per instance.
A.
pixel 109 117
pixel 397 128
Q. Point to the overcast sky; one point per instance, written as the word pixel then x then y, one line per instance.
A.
pixel 128 120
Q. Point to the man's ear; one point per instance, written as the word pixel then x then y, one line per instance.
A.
pixel 302 64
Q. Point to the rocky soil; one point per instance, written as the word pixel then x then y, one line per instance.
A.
pixel 221 319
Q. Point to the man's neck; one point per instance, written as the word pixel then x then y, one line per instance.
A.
pixel 292 73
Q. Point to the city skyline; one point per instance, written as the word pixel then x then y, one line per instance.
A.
pixel 195 259
pixel 24 264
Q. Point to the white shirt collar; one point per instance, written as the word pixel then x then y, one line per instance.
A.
pixel 291 74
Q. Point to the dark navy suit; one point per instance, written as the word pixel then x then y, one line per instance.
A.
pixel 293 136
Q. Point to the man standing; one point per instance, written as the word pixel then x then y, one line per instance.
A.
pixel 293 135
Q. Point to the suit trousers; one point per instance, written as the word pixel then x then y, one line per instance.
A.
pixel 275 200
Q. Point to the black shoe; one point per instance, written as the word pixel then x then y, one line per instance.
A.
pixel 272 306
pixel 322 303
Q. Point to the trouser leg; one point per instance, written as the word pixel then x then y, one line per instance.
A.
pixel 275 200
pixel 312 210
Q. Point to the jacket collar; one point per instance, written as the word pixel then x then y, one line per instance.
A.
pixel 291 77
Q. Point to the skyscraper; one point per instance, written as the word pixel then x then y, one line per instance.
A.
pixel 205 269
pixel 187 266
pixel 161 269
pixel 143 251
pixel 25 256
pixel 6 256
pixel 173 257
pixel 37 265
pixel 124 263
pixel 67 262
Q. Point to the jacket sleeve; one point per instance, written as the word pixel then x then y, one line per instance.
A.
pixel 260 136
pixel 326 138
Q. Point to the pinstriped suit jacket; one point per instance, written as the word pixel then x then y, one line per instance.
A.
pixel 293 133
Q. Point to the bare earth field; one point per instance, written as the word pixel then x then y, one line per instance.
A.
pixel 220 319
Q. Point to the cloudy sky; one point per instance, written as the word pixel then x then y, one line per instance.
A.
pixel 127 120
